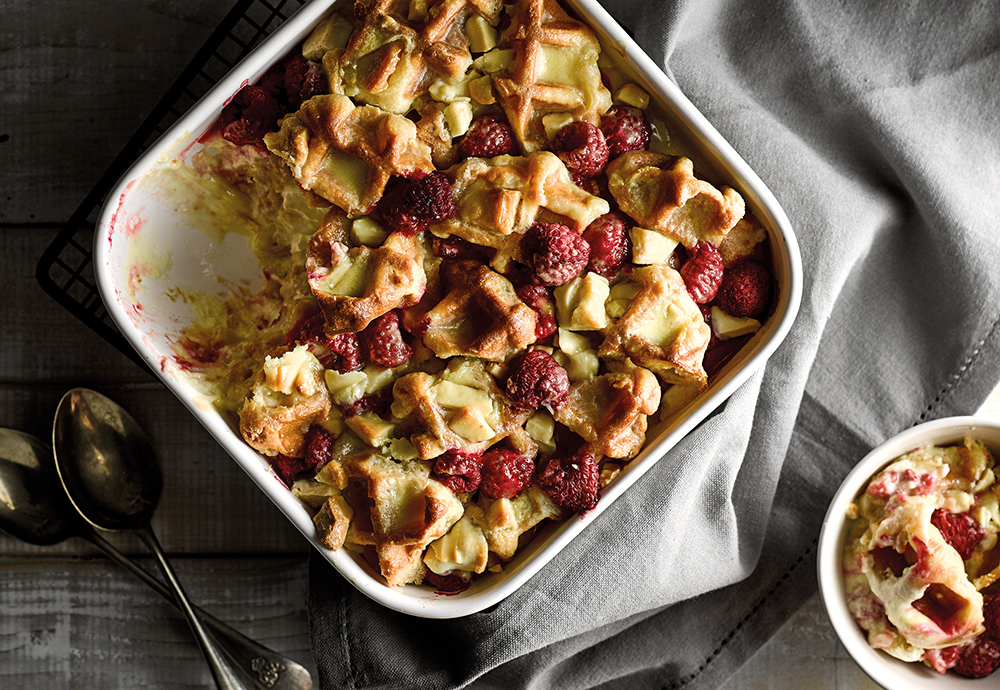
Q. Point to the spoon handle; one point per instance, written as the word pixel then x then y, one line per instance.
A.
pixel 225 679
pixel 268 669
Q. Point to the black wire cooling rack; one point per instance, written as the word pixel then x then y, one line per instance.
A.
pixel 65 270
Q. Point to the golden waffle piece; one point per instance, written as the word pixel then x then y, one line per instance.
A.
pixel 504 520
pixel 460 408
pixel 661 193
pixel 552 69
pixel 741 241
pixel 400 48
pixel 662 329
pixel 480 315
pixel 498 199
pixel 345 153
pixel 398 509
pixel 288 396
pixel 356 285
pixel 610 411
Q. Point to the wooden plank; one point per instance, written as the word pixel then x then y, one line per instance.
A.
pixel 86 624
pixel 76 81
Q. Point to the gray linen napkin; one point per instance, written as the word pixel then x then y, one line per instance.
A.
pixel 876 125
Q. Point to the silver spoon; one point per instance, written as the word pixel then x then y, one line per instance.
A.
pixel 35 509
pixel 107 465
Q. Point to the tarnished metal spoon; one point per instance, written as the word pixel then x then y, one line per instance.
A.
pixel 35 509
pixel 108 468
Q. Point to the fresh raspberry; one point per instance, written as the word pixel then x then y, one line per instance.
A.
pixel 253 112
pixel 746 289
pixel 383 342
pixel 703 272
pixel 341 352
pixel 538 380
pixel 582 148
pixel 609 244
pixel 452 582
pixel 540 300
pixel 430 198
pixel 302 79
pixel 557 253
pixel 288 468
pixel 978 658
pixel 457 249
pixel 458 470
pixel 319 447
pixel 625 129
pixel 407 206
pixel 487 137
pixel 377 402
pixel 991 615
pixel 959 530
pixel 505 473
pixel 572 482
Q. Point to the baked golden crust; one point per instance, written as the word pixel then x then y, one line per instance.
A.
pixel 288 397
pixel 661 193
pixel 498 199
pixel 610 411
pixel 356 285
pixel 398 509
pixel 459 409
pixel 662 329
pixel 399 49
pixel 480 315
pixel 553 70
pixel 346 153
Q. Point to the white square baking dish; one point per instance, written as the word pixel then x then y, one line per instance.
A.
pixel 142 299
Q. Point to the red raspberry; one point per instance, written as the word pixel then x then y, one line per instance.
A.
pixel 746 289
pixel 302 80
pixel 458 470
pixel 253 112
pixel 341 352
pixel 538 380
pixel 506 473
pixel 991 615
pixel 288 468
pixel 961 531
pixel 377 402
pixel 557 253
pixel 319 447
pixel 487 137
pixel 625 129
pixel 452 582
pixel 978 658
pixel 703 272
pixel 609 244
pixel 572 482
pixel 408 206
pixel 540 300
pixel 582 148
pixel 457 249
pixel 383 342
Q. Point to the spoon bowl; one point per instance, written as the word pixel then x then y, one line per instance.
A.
pixel 30 509
pixel 34 508
pixel 106 462
pixel 110 472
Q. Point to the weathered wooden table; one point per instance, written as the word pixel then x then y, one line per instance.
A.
pixel 76 80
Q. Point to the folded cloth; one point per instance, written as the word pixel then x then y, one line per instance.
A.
pixel 875 125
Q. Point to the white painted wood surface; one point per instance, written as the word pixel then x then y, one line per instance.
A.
pixel 76 79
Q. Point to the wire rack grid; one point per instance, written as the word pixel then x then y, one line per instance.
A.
pixel 65 270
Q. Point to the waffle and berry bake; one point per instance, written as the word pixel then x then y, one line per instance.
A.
pixel 488 273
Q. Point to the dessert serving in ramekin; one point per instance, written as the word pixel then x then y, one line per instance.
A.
pixel 178 256
pixel 907 557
